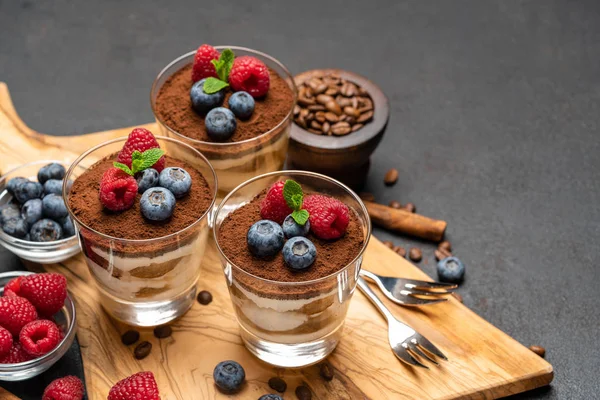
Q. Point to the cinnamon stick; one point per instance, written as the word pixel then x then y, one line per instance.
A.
pixel 406 222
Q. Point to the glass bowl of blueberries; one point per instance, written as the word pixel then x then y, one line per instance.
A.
pixel 34 221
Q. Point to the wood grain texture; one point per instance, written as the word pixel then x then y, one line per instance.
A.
pixel 484 363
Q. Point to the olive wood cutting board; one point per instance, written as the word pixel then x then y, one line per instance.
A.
pixel 484 362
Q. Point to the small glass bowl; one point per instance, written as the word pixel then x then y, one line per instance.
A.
pixel 66 317
pixel 39 252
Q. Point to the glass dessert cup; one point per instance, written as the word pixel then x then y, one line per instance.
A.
pixel 291 324
pixel 235 162
pixel 145 282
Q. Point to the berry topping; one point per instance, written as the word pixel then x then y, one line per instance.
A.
pixel 47 292
pixel 67 227
pixel 229 376
pixel 140 386
pixel 16 227
pixel 16 355
pixel 274 206
pixel 6 342
pixel 220 124
pixel 265 238
pixel 242 104
pixel 451 269
pixel 45 230
pixel 13 286
pixel 53 206
pixel 28 190
pixel 157 204
pixel 329 217
pixel 299 253
pixel 66 388
pixel 32 211
pixel 203 102
pixel 53 186
pixel 9 211
pixel 251 75
pixel 13 183
pixel 39 337
pixel 291 228
pixel 15 313
pixel 146 179
pixel 51 171
pixel 117 190
pixel 177 180
pixel 203 66
pixel 140 139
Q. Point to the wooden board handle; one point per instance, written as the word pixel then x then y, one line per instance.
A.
pixel 402 221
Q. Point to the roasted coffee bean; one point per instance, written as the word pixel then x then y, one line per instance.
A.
pixel 332 91
pixel 415 254
pixel 351 111
pixel 304 113
pixel 305 101
pixel 316 107
pixel 457 296
pixel 303 393
pixel 315 125
pixel 539 350
pixel 331 117
pixel 364 109
pixel 356 127
pixel 162 332
pixel 445 245
pixel 310 116
pixel 349 89
pixel 277 384
pixel 343 101
pixel 410 207
pixel 354 102
pixel 362 92
pixel 334 107
pixel 320 89
pixel 142 350
pixel 301 121
pixel 325 127
pixel 309 93
pixel 440 254
pixel 365 117
pixel 389 244
pixel 391 177
pixel 315 131
pixel 324 99
pixel 395 204
pixel 326 371
pixel 320 116
pixel 401 251
pixel 296 109
pixel 350 120
pixel 130 337
pixel 340 129
pixel 204 297
pixel 367 196
pixel 314 83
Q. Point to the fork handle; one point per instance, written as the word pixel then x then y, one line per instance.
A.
pixel 366 289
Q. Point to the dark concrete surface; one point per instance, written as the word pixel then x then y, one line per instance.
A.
pixel 495 111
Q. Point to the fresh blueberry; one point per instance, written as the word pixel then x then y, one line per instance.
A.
pixel 67 226
pixel 9 211
pixel 32 211
pixel 270 397
pixel 220 124
pixel 229 376
pixel 203 102
pixel 242 104
pixel 451 269
pixel 157 204
pixel 53 186
pixel 265 238
pixel 13 183
pixel 45 230
pixel 291 228
pixel 53 206
pixel 16 227
pixel 28 190
pixel 51 171
pixel 177 180
pixel 146 179
pixel 299 253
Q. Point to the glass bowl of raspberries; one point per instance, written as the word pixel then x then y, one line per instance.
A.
pixel 34 222
pixel 37 323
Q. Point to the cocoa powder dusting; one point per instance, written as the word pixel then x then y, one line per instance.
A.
pixel 174 108
pixel 332 256
pixel 130 224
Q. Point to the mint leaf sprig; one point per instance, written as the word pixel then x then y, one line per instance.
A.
pixel 223 67
pixel 293 195
pixel 141 161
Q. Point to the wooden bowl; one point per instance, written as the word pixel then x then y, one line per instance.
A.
pixel 345 158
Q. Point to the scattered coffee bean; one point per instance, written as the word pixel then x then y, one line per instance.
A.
pixel 457 296
pixel 366 196
pixel 391 177
pixel 440 254
pixel 162 332
pixel 325 127
pixel 324 99
pixel 315 131
pixel 277 384
pixel 130 337
pixel 365 117
pixel 334 107
pixel 356 127
pixel 401 251
pixel 445 245
pixel 395 204
pixel 389 244
pixel 303 393
pixel 340 128
pixel 415 254
pixel 296 110
pixel 331 117
pixel 315 125
pixel 316 107
pixel 539 350
pixel 142 350
pixel 204 297
pixel 326 371
pixel 410 207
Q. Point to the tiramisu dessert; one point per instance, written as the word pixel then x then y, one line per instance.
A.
pixel 142 221
pixel 291 280
pixel 232 104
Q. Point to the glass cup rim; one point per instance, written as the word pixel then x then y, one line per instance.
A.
pixel 217 144
pixel 134 241
pixel 303 173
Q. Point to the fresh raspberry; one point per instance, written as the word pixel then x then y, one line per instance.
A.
pixel 140 139
pixel 329 217
pixel 250 75
pixel 47 292
pixel 6 342
pixel 13 287
pixel 39 337
pixel 140 386
pixel 203 67
pixel 117 190
pixel 15 313
pixel 273 206
pixel 66 388
pixel 16 355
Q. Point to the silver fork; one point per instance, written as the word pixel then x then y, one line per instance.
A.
pixel 410 292
pixel 406 343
